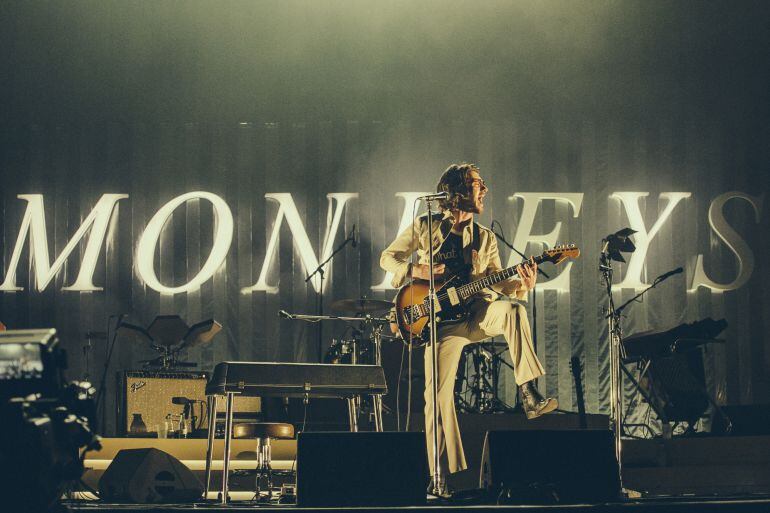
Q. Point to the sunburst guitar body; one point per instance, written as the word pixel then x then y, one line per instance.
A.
pixel 453 297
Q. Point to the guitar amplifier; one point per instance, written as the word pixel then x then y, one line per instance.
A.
pixel 149 394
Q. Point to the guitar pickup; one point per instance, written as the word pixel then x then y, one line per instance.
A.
pixel 454 299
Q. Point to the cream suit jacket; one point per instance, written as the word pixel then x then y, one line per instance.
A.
pixel 395 258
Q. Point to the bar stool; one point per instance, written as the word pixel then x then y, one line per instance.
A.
pixel 262 433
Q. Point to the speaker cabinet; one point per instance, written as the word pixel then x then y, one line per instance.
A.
pixel 361 469
pixel 150 393
pixel 148 476
pixel 565 466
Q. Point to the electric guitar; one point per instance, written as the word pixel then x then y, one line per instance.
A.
pixel 452 297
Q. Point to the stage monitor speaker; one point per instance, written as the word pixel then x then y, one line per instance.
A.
pixel 148 476
pixel 541 466
pixel 361 469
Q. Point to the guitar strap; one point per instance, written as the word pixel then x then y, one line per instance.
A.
pixel 476 238
pixel 475 245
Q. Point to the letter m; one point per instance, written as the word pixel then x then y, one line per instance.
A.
pixel 33 224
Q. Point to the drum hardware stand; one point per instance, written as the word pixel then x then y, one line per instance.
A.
pixel 485 390
pixel 322 274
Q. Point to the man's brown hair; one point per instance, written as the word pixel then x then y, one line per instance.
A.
pixel 455 182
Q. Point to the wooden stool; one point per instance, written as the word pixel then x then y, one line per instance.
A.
pixel 263 432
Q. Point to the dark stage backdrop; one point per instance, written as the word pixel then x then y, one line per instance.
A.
pixel 72 166
pixel 305 98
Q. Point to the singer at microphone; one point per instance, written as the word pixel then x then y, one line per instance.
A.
pixel 458 241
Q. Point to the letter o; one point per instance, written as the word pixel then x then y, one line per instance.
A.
pixel 223 236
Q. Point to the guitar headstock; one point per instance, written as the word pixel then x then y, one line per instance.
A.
pixel 559 254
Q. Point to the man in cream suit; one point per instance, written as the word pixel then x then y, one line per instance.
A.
pixel 457 243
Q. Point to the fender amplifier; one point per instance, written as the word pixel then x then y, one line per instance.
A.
pixel 148 395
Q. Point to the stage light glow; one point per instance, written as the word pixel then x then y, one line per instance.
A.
pixel 732 240
pixel 642 237
pixel 524 233
pixel 33 224
pixel 223 236
pixel 288 209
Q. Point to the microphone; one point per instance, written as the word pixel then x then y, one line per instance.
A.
pixel 285 314
pixel 352 237
pixel 669 274
pixel 437 196
pixel 181 400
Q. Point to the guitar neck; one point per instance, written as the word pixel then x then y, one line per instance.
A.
pixel 469 289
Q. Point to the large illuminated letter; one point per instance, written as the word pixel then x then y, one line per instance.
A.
pixel 223 236
pixel 732 240
pixel 406 220
pixel 287 209
pixel 34 223
pixel 642 237
pixel 524 233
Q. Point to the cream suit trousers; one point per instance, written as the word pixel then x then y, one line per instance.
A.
pixel 486 320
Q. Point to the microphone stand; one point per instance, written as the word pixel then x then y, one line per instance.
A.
pixel 617 351
pixel 657 281
pixel 320 271
pixel 434 353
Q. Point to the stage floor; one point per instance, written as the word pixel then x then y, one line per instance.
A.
pixel 683 474
pixel 673 505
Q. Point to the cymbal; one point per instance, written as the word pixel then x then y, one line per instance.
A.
pixel 361 305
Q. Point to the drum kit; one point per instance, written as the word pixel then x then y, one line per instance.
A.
pixel 366 318
pixel 477 386
pixel 365 345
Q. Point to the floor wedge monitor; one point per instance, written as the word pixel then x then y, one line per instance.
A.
pixel 148 476
pixel 542 466
pixel 361 469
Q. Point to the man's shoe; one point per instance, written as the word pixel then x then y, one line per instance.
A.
pixel 534 403
pixel 444 490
